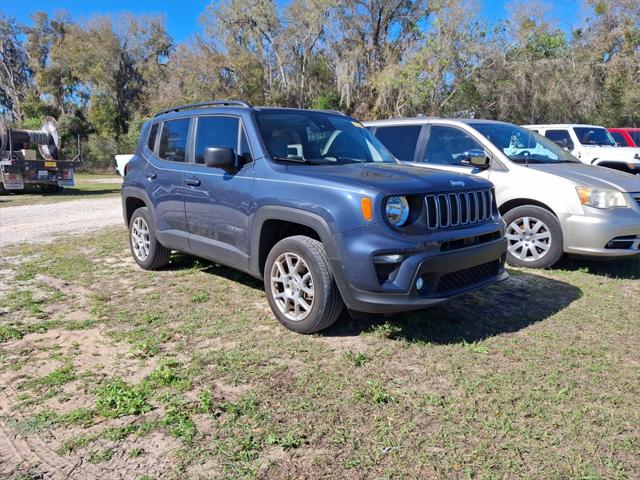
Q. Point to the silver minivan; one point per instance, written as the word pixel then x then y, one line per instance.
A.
pixel 551 202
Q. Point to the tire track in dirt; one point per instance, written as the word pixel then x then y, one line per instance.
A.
pixel 20 453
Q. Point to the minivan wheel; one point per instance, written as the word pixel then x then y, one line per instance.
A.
pixel 534 237
pixel 145 248
pixel 299 285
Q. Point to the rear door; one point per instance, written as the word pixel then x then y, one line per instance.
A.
pixel 163 175
pixel 218 202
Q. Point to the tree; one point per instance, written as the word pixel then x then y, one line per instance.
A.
pixel 15 76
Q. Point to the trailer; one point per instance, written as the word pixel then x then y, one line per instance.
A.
pixel 20 165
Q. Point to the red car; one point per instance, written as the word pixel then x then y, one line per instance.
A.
pixel 626 137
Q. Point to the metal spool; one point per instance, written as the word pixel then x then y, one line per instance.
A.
pixel 50 149
pixel 47 138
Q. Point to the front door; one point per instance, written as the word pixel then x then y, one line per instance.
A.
pixel 218 202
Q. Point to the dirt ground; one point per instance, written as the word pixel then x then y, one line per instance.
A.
pixel 44 223
pixel 108 371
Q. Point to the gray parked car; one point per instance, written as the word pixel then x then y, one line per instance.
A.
pixel 551 202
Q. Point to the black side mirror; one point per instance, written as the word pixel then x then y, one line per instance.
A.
pixel 476 157
pixel 220 157
pixel 564 143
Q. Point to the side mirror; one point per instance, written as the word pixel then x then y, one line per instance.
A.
pixel 220 157
pixel 476 157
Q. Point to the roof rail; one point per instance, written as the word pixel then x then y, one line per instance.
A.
pixel 213 103
pixel 337 112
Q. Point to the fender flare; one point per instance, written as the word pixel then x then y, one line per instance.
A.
pixel 294 215
pixel 131 191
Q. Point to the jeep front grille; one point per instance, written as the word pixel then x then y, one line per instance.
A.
pixel 446 210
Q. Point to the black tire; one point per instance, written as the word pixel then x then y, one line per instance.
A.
pixel 326 304
pixel 527 243
pixel 157 256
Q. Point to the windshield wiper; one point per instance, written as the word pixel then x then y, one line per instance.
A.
pixel 294 159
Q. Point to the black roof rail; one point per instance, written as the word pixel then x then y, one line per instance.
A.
pixel 337 112
pixel 213 103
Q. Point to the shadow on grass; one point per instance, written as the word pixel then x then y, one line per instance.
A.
pixel 626 268
pixel 520 301
pixel 67 192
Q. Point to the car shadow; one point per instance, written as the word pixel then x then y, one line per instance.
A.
pixel 626 268
pixel 522 300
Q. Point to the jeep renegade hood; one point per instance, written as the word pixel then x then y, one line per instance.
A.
pixel 390 178
pixel 591 176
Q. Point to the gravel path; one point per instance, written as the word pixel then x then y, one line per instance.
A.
pixel 45 222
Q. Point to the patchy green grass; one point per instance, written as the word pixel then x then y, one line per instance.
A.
pixel 87 186
pixel 534 378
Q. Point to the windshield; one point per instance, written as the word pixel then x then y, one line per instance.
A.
pixel 594 136
pixel 523 146
pixel 318 138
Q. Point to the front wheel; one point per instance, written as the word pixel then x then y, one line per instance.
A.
pixel 299 285
pixel 534 237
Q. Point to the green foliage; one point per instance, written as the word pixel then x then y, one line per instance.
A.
pixel 117 398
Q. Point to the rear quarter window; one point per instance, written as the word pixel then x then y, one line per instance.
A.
pixel 151 140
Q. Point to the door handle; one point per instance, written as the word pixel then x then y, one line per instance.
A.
pixel 194 182
pixel 151 176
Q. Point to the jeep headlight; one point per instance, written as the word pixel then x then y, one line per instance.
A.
pixel 601 198
pixel 397 210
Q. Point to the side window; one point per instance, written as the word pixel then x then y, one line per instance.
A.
pixel 619 138
pixel 561 137
pixel 245 151
pixel 173 140
pixel 151 141
pixel 447 146
pixel 216 132
pixel 401 141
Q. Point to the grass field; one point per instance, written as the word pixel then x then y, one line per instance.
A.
pixel 87 186
pixel 184 373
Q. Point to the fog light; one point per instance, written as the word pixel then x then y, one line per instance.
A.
pixel 419 283
pixel 389 258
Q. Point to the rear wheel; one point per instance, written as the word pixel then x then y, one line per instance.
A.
pixel 147 251
pixel 534 237
pixel 299 285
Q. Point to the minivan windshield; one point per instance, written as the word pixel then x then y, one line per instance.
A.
pixel 521 145
pixel 594 136
pixel 318 138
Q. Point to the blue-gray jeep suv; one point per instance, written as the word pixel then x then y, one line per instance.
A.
pixel 312 203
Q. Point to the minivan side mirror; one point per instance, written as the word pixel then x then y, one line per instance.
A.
pixel 476 157
pixel 220 157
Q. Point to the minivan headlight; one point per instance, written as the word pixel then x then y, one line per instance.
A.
pixel 601 197
pixel 397 210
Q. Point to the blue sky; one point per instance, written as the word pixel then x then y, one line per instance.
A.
pixel 182 16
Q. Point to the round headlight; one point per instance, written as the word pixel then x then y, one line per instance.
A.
pixel 397 211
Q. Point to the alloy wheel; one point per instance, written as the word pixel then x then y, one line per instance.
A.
pixel 140 238
pixel 292 286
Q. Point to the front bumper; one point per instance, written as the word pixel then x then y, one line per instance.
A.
pixel 590 234
pixel 445 273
